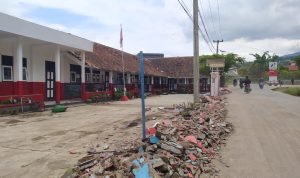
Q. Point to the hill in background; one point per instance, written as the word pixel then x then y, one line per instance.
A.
pixel 284 60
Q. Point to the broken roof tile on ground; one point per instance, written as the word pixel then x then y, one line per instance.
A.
pixel 178 147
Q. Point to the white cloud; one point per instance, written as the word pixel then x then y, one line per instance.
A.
pixel 162 26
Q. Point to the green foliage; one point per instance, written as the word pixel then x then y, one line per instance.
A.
pixel 261 64
pixel 103 97
pixel 5 102
pixel 297 60
pixel 231 60
pixel 243 71
pixel 119 93
pixel 295 91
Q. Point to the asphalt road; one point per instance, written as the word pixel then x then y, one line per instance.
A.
pixel 266 140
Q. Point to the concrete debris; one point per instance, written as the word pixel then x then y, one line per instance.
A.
pixel 183 146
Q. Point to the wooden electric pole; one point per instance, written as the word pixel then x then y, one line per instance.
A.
pixel 218 41
pixel 196 51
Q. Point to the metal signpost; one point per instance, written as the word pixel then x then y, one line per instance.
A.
pixel 142 93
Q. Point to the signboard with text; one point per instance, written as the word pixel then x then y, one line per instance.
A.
pixel 273 73
pixel 272 65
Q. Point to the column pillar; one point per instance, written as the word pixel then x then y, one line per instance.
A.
pixel 57 74
pixel 129 78
pixel 185 81
pixel 18 66
pixel 83 76
pixel 110 77
pixel 91 73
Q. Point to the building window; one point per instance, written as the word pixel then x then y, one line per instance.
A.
pixel 24 69
pixel 181 81
pixel 88 78
pixel 7 73
pixel 96 78
pixel 73 77
pixel 25 73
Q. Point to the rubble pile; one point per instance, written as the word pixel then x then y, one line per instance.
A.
pixel 181 146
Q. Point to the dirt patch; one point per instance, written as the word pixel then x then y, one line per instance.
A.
pixel 13 121
pixel 58 133
pixel 87 133
pixel 38 138
pixel 59 164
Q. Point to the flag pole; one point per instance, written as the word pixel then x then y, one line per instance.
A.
pixel 124 98
pixel 124 87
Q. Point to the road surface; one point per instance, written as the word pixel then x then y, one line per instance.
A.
pixel 266 140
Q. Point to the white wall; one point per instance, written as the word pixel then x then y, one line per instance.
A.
pixel 65 67
pixel 7 47
pixel 40 54
pixel 24 28
pixel 46 53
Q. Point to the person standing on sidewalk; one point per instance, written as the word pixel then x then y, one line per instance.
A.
pixel 292 80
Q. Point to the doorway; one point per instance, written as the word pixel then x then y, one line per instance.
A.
pixel 50 80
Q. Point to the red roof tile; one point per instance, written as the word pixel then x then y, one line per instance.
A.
pixel 110 59
pixel 175 66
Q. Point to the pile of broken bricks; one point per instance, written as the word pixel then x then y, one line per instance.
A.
pixel 182 146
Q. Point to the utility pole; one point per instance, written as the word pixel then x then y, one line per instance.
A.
pixel 218 41
pixel 196 52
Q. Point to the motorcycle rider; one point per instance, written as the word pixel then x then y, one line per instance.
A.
pixel 234 82
pixel 241 83
pixel 247 83
pixel 261 83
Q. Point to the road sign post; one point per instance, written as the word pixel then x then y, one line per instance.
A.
pixel 142 94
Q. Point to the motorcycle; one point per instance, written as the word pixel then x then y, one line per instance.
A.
pixel 261 85
pixel 247 88
pixel 234 83
pixel 241 85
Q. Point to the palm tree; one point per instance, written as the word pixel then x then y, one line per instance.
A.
pixel 263 61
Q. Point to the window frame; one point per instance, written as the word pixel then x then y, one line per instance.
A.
pixel 88 78
pixel 26 73
pixel 75 78
pixel 12 74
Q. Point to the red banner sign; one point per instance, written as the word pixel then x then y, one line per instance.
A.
pixel 273 73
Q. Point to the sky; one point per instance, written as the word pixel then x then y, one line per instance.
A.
pixel 162 26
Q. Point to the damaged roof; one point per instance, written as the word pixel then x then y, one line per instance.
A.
pixel 175 67
pixel 107 58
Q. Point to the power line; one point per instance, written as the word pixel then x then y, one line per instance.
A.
pixel 205 29
pixel 220 31
pixel 185 10
pixel 207 40
pixel 184 7
pixel 212 19
pixel 202 10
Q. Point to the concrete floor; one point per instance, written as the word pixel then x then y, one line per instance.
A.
pixel 38 145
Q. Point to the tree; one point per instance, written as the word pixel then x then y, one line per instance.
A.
pixel 262 61
pixel 243 71
pixel 231 60
pixel 297 60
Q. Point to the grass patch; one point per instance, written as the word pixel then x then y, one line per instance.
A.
pixel 295 91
